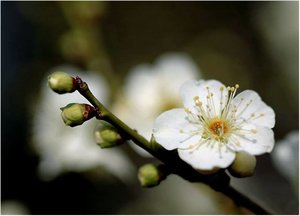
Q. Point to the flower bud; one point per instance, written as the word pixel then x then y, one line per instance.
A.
pixel 209 172
pixel 151 175
pixel 107 136
pixel 75 114
pixel 61 82
pixel 243 165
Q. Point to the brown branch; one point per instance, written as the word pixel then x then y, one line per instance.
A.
pixel 219 181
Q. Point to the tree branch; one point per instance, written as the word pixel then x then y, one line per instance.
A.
pixel 219 181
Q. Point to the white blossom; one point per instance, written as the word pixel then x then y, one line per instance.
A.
pixel 14 207
pixel 215 124
pixel 286 157
pixel 151 89
pixel 62 148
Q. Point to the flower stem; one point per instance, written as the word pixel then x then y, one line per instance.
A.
pixel 218 181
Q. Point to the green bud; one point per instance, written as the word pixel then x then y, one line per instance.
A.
pixel 243 165
pixel 61 82
pixel 151 175
pixel 107 136
pixel 209 172
pixel 76 114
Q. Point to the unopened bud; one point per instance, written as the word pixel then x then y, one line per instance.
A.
pixel 243 165
pixel 151 175
pixel 76 114
pixel 61 82
pixel 107 136
pixel 209 172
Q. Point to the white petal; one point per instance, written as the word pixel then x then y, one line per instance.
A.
pixel 172 70
pixel 142 88
pixel 264 115
pixel 286 155
pixel 169 127
pixel 255 140
pixel 208 156
pixel 176 68
pixel 190 89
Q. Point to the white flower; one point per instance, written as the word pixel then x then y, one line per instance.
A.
pixel 149 90
pixel 63 148
pixel 286 156
pixel 214 124
pixel 14 207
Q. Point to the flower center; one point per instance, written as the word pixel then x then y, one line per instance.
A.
pixel 218 127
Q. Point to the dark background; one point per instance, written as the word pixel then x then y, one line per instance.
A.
pixel 224 39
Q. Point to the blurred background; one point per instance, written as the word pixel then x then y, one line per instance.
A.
pixel 123 48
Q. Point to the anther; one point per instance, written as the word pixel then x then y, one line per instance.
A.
pixel 199 103
pixel 187 110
